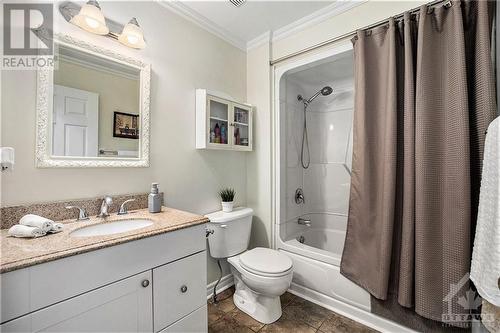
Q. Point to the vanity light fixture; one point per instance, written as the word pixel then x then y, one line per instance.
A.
pixel 132 35
pixel 91 18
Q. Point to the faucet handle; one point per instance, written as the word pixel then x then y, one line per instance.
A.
pixel 82 213
pixel 299 196
pixel 123 210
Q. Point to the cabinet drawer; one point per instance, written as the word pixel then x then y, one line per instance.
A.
pixel 179 288
pixel 195 322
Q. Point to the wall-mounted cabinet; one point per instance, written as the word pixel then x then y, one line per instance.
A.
pixel 222 123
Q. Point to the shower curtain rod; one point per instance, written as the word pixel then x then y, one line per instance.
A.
pixel 352 33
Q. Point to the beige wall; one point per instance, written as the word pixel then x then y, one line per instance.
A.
pixel 116 93
pixel 183 57
pixel 259 161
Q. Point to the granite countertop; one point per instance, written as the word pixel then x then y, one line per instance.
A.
pixel 18 253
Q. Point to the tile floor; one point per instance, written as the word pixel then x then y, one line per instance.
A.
pixel 299 316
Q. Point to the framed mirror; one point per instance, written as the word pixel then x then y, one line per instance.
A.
pixel 92 108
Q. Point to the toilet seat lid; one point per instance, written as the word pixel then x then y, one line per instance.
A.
pixel 265 261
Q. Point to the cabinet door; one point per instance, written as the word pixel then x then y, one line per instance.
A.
pixel 179 289
pixel 242 126
pixel 124 306
pixel 218 113
pixel 194 322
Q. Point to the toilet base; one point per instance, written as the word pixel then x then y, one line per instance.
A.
pixel 265 309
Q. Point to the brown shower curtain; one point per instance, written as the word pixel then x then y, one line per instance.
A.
pixel 425 95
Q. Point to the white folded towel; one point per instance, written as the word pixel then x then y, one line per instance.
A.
pixel 485 265
pixel 32 220
pixel 19 230
pixel 56 227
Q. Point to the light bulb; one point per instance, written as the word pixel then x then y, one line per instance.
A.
pixel 91 22
pixel 132 39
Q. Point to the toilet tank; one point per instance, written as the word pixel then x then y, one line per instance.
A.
pixel 231 232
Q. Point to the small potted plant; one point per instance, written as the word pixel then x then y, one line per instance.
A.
pixel 227 196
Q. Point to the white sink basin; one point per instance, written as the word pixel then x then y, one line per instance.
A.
pixel 110 228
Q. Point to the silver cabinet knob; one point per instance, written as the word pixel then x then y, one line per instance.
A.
pixel 145 283
pixel 184 289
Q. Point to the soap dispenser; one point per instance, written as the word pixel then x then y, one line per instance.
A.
pixel 154 199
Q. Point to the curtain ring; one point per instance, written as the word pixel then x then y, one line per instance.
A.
pixel 447 4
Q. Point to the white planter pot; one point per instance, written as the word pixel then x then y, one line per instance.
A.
pixel 227 206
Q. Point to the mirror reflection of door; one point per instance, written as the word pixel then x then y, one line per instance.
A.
pixel 75 122
pixel 88 91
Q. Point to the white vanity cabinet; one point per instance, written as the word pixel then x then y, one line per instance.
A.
pixel 148 285
pixel 222 123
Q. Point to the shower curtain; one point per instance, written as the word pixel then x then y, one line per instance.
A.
pixel 425 94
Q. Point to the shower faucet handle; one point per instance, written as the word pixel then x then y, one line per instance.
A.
pixel 299 196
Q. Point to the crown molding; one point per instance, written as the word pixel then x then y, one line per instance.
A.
pixel 259 40
pixel 316 17
pixel 193 16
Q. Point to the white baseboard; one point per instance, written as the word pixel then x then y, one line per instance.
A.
pixel 347 310
pixel 226 282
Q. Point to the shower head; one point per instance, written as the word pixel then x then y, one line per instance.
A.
pixel 325 91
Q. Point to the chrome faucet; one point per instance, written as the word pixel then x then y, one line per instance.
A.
pixel 82 213
pixel 106 202
pixel 302 221
pixel 123 210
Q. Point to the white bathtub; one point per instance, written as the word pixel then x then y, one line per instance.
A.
pixel 317 260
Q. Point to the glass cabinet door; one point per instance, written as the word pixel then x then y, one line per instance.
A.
pixel 242 125
pixel 218 113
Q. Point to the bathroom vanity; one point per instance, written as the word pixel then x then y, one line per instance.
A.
pixel 152 279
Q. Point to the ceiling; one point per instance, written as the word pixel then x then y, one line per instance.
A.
pixel 315 75
pixel 254 18
pixel 242 26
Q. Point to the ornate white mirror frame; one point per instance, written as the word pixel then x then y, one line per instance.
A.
pixel 43 156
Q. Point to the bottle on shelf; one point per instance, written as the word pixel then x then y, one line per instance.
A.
pixel 217 133
pixel 223 134
pixel 237 136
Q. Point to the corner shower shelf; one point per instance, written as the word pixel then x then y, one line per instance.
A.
pixel 222 123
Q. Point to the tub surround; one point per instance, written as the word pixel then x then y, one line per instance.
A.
pixel 19 253
pixel 57 210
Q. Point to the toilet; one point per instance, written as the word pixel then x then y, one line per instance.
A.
pixel 261 275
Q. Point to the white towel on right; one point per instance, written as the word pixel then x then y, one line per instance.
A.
pixel 23 231
pixel 485 266
pixel 32 220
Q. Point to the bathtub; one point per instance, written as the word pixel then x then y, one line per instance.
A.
pixel 316 252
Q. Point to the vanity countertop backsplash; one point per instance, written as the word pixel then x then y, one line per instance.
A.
pixel 18 253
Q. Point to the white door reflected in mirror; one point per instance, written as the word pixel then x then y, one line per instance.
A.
pixel 75 122
pixel 96 106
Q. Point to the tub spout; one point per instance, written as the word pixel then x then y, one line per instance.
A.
pixel 303 221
